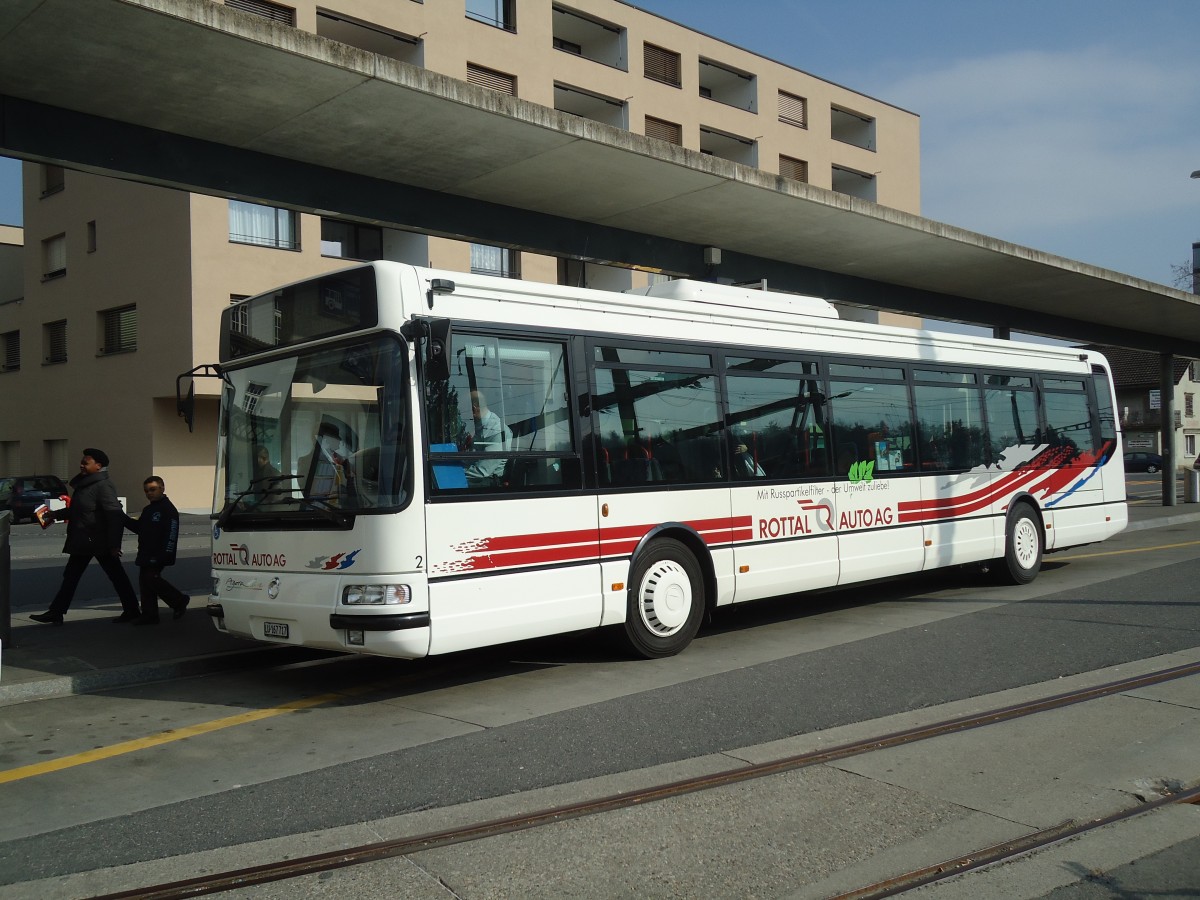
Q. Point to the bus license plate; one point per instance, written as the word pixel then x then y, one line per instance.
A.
pixel 275 629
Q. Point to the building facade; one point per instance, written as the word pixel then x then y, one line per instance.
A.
pixel 1140 403
pixel 122 284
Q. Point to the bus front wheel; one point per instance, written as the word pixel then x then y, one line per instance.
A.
pixel 1022 547
pixel 666 600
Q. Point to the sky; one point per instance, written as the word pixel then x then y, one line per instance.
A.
pixel 1068 126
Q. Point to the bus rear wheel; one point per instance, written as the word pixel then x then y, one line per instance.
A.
pixel 1022 558
pixel 666 600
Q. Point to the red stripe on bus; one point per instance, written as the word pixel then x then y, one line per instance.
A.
pixel 519 550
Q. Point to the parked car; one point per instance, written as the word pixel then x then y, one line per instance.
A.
pixel 25 493
pixel 1141 461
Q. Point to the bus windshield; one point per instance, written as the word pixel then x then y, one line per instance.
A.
pixel 316 436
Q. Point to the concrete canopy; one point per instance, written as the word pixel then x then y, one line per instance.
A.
pixel 198 96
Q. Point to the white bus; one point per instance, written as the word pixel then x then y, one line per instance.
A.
pixel 415 462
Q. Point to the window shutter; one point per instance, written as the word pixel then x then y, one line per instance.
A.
pixel 795 169
pixel 120 329
pixel 491 79
pixel 54 251
pixel 265 9
pixel 664 131
pixel 793 110
pixel 56 342
pixel 12 351
pixel 57 454
pixel 661 64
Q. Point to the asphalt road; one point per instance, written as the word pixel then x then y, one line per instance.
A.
pixel 486 724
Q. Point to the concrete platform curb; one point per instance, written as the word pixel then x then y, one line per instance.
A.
pixel 1180 518
pixel 148 672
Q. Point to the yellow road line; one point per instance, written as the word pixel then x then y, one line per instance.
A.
pixel 1057 558
pixel 169 736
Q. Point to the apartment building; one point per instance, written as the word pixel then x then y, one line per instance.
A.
pixel 123 283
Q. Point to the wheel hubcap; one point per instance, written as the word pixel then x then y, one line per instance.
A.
pixel 665 598
pixel 1025 544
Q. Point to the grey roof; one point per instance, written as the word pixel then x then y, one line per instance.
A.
pixel 1137 368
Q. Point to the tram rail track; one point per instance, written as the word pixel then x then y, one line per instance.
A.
pixel 322 862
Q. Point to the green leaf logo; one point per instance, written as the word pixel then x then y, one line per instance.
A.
pixel 863 470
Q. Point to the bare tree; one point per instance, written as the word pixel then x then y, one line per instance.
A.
pixel 1181 276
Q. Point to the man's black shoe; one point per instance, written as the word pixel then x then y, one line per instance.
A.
pixel 47 618
pixel 126 617
pixel 178 611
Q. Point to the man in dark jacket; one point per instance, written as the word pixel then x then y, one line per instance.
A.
pixel 157 529
pixel 95 523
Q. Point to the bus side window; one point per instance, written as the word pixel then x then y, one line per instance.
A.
pixel 776 419
pixel 872 423
pixel 653 423
pixel 505 414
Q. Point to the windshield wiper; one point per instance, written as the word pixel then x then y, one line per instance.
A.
pixel 256 486
pixel 335 514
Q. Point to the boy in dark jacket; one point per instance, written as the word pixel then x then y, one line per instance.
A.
pixel 157 529
pixel 94 529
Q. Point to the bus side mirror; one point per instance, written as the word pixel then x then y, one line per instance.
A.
pixel 437 351
pixel 185 407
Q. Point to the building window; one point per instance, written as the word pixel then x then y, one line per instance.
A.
pixel 486 260
pixel 54 179
pixel 10 344
pixel 1189 405
pixel 55 453
pixel 348 240
pixel 854 183
pixel 661 64
pixel 370 37
pixel 54 342
pixel 728 146
pixel 1189 445
pixel 852 128
pixel 590 38
pixel 264 226
pixel 10 456
pixel 588 105
pixel 795 169
pixel 499 13
pixel 729 86
pixel 54 257
pixel 491 79
pixel 118 330
pixel 793 110
pixel 662 130
pixel 91 236
pixel 265 9
pixel 239 317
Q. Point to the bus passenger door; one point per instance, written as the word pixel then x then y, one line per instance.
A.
pixel 655 441
pixel 876 458
pixel 511 536
pixel 783 498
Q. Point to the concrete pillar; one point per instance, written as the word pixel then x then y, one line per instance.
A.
pixel 1166 387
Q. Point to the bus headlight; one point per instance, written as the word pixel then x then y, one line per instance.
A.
pixel 376 594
